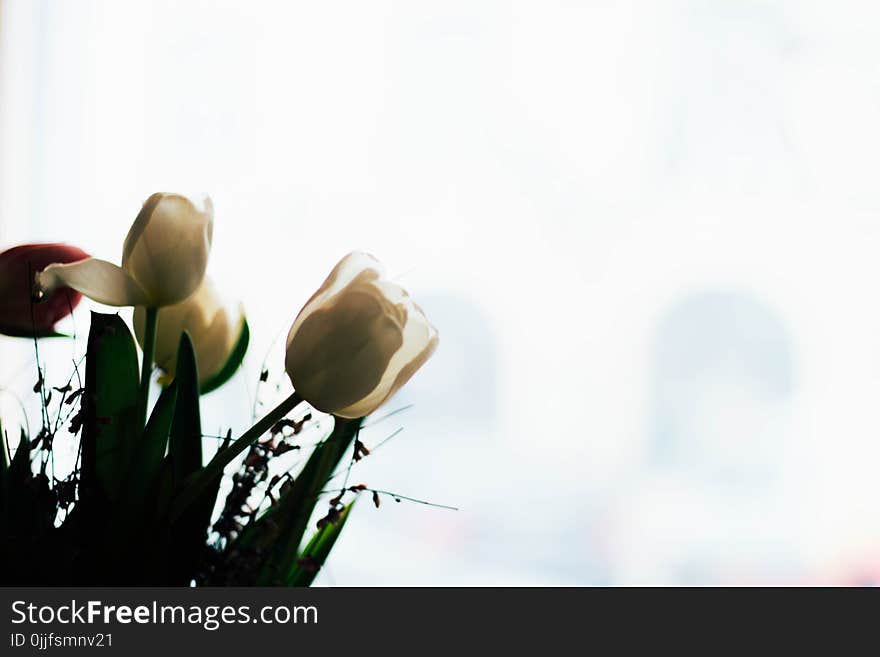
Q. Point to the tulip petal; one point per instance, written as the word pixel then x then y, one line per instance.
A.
pixel 356 265
pixel 216 342
pixel 357 340
pixel 420 340
pixel 342 350
pixel 139 225
pixel 218 334
pixel 19 315
pixel 166 250
pixel 98 279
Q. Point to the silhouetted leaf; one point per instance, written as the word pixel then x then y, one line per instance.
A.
pixel 186 430
pixel 305 567
pixel 147 457
pixel 109 403
pixel 296 505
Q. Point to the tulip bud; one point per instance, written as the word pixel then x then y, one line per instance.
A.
pixel 163 258
pixel 215 333
pixel 357 340
pixel 17 268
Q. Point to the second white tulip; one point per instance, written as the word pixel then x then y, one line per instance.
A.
pixel 215 330
pixel 163 258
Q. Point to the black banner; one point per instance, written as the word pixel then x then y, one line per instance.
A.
pixel 266 621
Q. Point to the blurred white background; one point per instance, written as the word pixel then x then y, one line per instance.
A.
pixel 647 232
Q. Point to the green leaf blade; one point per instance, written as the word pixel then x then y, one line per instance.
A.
pixel 108 404
pixel 307 566
pixel 296 506
pixel 185 442
pixel 147 458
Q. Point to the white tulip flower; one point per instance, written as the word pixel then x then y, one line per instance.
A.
pixel 357 340
pixel 216 333
pixel 163 258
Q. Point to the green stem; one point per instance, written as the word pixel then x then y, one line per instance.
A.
pixel 202 478
pixel 152 315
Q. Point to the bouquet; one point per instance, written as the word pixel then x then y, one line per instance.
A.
pixel 140 505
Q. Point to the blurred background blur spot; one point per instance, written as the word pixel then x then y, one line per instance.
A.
pixel 646 231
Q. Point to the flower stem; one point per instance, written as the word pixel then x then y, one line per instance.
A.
pixel 201 479
pixel 152 315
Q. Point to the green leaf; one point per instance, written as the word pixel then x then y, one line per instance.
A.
pixel 278 532
pixel 197 481
pixel 147 457
pixel 133 530
pixel 232 363
pixel 186 429
pixel 164 490
pixel 306 567
pixel 189 531
pixel 296 506
pixel 109 404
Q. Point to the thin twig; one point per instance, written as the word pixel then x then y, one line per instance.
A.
pixel 388 415
pixel 263 369
pixel 394 433
pixel 44 412
pixel 397 497
pixel 354 453
pixel 373 449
